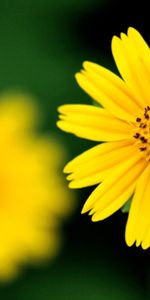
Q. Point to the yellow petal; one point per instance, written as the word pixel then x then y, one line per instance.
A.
pixel 94 165
pixel 92 123
pixel 146 242
pixel 111 194
pixel 100 149
pixel 141 46
pixel 113 88
pixel 138 219
pixel 90 83
pixel 130 65
pixel 116 204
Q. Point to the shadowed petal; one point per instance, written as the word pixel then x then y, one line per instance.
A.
pixel 138 220
pixel 115 189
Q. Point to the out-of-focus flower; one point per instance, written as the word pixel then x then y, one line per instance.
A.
pixel 33 199
pixel 121 163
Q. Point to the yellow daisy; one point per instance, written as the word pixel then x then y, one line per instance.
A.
pixel 33 199
pixel 122 123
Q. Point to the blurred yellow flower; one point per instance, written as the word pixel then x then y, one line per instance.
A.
pixel 121 163
pixel 33 199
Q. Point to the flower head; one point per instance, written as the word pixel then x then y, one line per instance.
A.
pixel 32 195
pixel 121 164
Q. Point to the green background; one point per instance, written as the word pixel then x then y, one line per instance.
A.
pixel 42 44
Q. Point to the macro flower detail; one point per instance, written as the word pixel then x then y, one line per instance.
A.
pixel 120 164
pixel 33 199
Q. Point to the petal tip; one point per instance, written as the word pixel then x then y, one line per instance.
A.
pixel 145 246
pixel 60 108
pixel 66 168
pixel 85 209
pixel 129 243
pixel 131 30
pixel 129 240
pixel 114 42
pixel 87 64
pixel 95 218
pixel 59 124
pixel 72 184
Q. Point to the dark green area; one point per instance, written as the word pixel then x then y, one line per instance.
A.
pixel 74 276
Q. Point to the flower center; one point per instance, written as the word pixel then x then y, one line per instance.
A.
pixel 142 132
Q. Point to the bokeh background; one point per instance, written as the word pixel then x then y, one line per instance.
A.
pixel 42 45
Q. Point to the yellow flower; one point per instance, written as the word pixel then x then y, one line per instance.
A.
pixel 122 123
pixel 33 199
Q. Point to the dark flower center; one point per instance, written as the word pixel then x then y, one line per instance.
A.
pixel 142 132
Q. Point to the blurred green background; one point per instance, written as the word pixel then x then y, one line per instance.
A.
pixel 42 45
